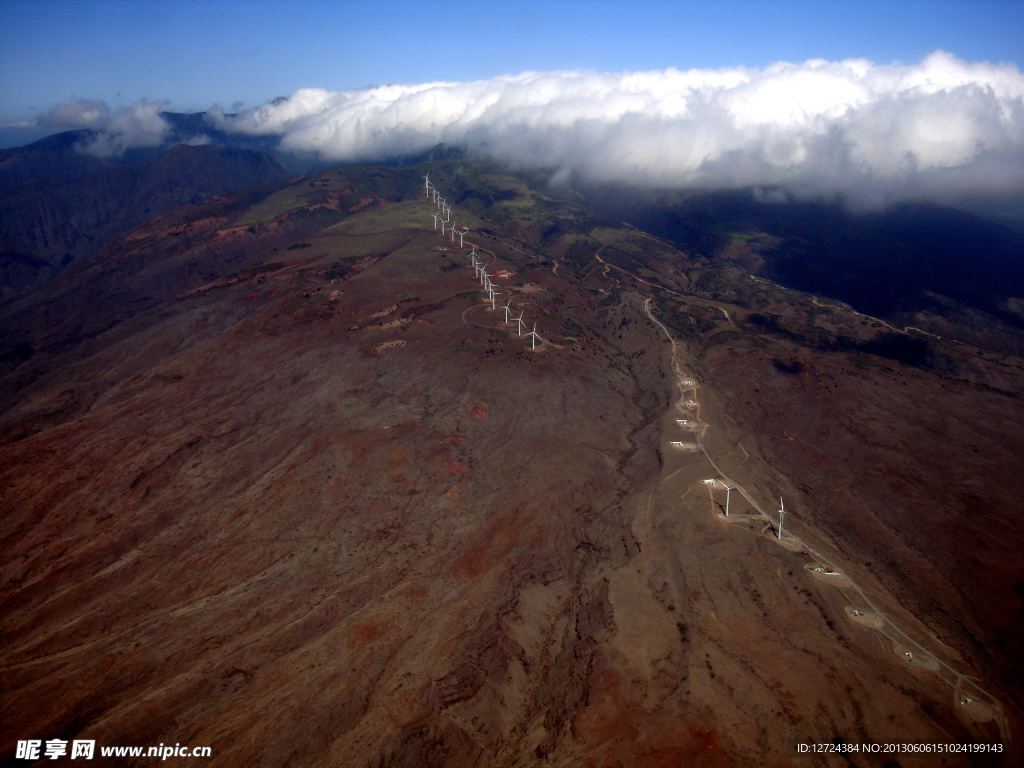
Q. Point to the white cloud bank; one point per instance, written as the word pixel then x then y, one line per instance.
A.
pixel 139 125
pixel 83 113
pixel 942 128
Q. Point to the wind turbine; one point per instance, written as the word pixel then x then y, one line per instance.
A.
pixel 426 184
pixel 460 234
pixel 436 217
pixel 493 294
pixel 484 277
pixel 728 489
pixel 507 310
pixel 532 335
pixel 472 255
pixel 519 328
pixel 446 210
pixel 782 514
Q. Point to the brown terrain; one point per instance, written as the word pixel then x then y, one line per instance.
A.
pixel 275 479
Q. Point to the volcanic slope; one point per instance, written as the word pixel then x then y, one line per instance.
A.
pixel 275 479
pixel 62 204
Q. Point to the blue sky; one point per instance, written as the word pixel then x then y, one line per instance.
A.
pixel 196 54
pixel 876 100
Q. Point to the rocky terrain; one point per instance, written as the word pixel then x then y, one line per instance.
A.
pixel 275 479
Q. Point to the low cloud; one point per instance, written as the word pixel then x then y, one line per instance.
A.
pixel 78 114
pixel 941 128
pixel 139 125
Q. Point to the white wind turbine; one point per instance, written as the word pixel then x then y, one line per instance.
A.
pixel 436 217
pixel 446 210
pixel 782 514
pixel 532 335
pixel 493 294
pixel 519 328
pixel 484 277
pixel 461 234
pixel 507 310
pixel 426 184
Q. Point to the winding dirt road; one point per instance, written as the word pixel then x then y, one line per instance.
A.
pixel 959 682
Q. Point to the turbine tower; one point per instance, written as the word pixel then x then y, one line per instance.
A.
pixel 728 489
pixel 782 514
pixel 493 294
pixel 484 277
pixel 426 184
pixel 532 335
pixel 519 328
pixel 461 235
pixel 507 310
pixel 436 217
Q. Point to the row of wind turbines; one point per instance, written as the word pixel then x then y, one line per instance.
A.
pixel 443 218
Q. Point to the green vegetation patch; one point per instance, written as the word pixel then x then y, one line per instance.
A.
pixel 501 186
pixel 611 236
pixel 288 199
pixel 737 236
pixel 385 218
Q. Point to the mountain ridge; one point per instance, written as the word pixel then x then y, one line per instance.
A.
pixel 62 204
pixel 270 463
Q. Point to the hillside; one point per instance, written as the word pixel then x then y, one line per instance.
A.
pixel 939 269
pixel 62 204
pixel 276 479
